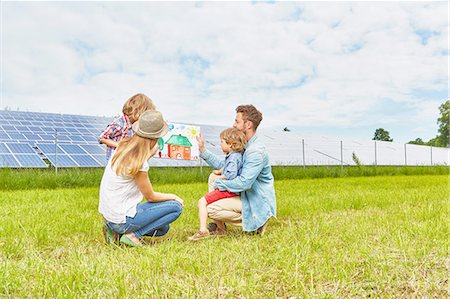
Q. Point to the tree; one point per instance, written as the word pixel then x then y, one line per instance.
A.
pixel 418 141
pixel 444 135
pixel 382 135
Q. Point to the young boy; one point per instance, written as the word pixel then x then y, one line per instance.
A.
pixel 232 142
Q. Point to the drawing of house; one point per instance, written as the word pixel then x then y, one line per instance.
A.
pixel 179 147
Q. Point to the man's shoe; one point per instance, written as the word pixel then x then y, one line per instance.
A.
pixel 214 229
pixel 260 231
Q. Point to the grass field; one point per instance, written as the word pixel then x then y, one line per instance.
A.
pixel 352 237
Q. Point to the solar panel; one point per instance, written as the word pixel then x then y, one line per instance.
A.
pixel 4 149
pixel 100 159
pixel 31 136
pixel 61 160
pixel 72 149
pixel 75 138
pixel 47 137
pixel 8 160
pixel 30 161
pixel 94 149
pixel 20 148
pixel 4 136
pixel 84 160
pixel 16 136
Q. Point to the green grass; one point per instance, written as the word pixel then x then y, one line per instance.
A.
pixel 334 238
pixel 21 179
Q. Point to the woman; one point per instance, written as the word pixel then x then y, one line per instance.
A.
pixel 125 181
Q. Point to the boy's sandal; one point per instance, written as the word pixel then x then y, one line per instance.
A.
pixel 199 235
pixel 127 241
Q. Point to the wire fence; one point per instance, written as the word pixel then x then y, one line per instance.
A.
pixel 291 149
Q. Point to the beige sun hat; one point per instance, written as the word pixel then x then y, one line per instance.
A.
pixel 150 125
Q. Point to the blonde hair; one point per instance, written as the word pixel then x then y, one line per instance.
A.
pixel 131 153
pixel 136 105
pixel 234 138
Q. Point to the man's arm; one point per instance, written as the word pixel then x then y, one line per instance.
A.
pixel 252 167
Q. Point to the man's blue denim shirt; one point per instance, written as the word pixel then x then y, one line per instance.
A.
pixel 255 183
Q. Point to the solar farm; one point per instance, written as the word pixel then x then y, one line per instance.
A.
pixel 42 140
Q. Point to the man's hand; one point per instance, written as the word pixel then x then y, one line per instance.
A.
pixel 201 143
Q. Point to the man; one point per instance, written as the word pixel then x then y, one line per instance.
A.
pixel 257 202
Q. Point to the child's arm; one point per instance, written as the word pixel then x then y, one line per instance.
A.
pixel 146 188
pixel 230 170
pixel 106 137
pixel 109 142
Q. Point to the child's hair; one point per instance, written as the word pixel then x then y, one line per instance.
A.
pixel 234 138
pixel 137 104
pixel 250 113
pixel 131 154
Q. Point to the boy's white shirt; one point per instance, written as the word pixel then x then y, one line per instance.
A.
pixel 119 195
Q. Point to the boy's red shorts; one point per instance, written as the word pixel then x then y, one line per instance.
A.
pixel 217 194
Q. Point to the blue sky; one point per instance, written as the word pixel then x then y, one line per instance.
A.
pixel 340 69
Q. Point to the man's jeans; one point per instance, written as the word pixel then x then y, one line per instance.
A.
pixel 151 219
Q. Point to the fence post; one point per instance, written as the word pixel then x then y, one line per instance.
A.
pixel 342 158
pixel 406 158
pixel 56 151
pixel 303 152
pixel 431 154
pixel 375 143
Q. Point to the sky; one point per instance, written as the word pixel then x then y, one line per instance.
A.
pixel 338 69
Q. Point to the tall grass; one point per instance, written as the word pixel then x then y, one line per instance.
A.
pixel 21 179
pixel 382 237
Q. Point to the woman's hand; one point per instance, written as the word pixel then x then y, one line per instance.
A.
pixel 179 200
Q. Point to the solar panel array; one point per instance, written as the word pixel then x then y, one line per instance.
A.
pixel 29 139
pixel 34 139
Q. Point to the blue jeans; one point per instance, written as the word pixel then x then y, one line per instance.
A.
pixel 151 219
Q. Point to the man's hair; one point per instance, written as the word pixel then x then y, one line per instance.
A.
pixel 250 113
pixel 136 105
pixel 234 138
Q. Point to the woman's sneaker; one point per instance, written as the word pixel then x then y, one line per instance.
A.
pixel 111 237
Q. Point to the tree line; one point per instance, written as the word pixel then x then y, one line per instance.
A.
pixel 442 139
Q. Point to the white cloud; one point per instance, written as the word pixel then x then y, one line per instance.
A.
pixel 306 64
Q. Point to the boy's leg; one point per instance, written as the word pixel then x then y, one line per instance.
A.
pixel 202 214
